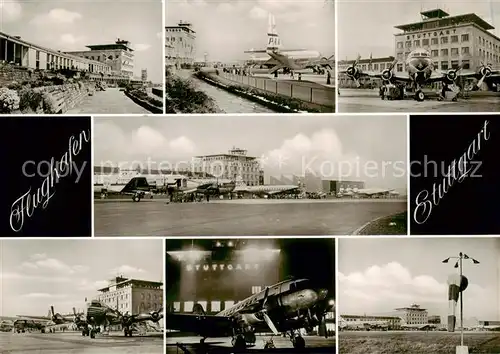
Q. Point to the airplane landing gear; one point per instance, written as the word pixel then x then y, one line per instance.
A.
pixel 239 342
pixel 127 331
pixel 269 344
pixel 419 95
pixel 136 198
pixel 297 340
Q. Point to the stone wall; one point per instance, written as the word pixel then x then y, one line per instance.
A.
pixel 66 97
pixel 10 73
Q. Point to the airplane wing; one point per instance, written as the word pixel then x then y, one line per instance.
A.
pixel 204 325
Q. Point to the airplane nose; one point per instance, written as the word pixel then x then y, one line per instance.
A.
pixel 322 294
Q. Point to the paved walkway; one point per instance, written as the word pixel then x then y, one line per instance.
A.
pixel 111 101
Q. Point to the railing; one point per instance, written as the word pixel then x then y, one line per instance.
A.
pixel 303 90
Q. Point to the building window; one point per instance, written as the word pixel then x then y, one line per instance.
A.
pixel 444 52
pixel 425 42
pixel 400 45
pixel 416 43
pixel 228 304
pixel 203 304
pixel 465 50
pixel 215 306
pixel 444 65
pixel 444 40
pixel 434 53
pixel 188 306
pixel 454 51
pixel 177 306
pixel 454 39
pixel 256 289
pixel 434 41
pixel 465 37
pixel 408 44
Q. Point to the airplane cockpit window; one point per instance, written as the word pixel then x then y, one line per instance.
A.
pixel 300 285
pixel 96 304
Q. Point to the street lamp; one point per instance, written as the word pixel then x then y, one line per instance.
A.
pixel 460 258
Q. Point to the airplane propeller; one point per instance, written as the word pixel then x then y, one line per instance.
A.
pixel 77 319
pixel 485 72
pixel 157 315
pixel 266 317
pixel 353 71
pixel 452 75
pixel 323 306
pixel 388 73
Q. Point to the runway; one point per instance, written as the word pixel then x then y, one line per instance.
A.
pixel 240 217
pixel 416 342
pixel 314 344
pixel 352 100
pixel 74 342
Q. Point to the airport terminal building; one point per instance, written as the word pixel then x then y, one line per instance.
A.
pixel 132 295
pixel 180 45
pixel 452 40
pixel 230 166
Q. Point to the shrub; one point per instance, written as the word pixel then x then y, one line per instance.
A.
pixel 49 105
pixel 30 100
pixel 9 100
pixel 183 97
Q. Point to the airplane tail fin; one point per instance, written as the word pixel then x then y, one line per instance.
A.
pixel 198 310
pixel 136 183
pixel 273 39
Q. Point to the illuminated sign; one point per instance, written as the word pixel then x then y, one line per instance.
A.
pixel 215 267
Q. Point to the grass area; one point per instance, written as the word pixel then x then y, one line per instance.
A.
pixel 416 343
pixel 390 225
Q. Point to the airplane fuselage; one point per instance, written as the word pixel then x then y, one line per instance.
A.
pixel 419 66
pixel 295 60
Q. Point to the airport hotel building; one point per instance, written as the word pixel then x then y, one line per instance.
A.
pixel 180 46
pixel 217 274
pixel 132 295
pixel 452 41
pixel 109 62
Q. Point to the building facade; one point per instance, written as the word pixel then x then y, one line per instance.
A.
pixel 236 163
pixel 15 50
pixel 452 40
pixel 434 319
pixel 413 315
pixel 365 64
pixel 220 274
pixel 347 321
pixel 144 75
pixel 180 44
pixel 119 56
pixel 132 295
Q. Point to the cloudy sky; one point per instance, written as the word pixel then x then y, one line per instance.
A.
pixel 225 29
pixel 70 25
pixel 370 148
pixel 377 276
pixel 357 18
pixel 35 274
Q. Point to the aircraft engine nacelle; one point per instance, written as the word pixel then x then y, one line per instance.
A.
pixel 451 76
pixel 485 71
pixel 387 75
pixel 353 72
